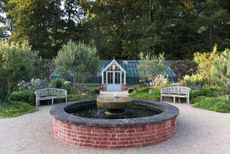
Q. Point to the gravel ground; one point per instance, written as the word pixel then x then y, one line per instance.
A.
pixel 198 132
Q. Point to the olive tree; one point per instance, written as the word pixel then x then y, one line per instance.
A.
pixel 79 60
pixel 150 67
pixel 16 64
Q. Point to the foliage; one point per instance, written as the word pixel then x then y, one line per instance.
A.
pixel 45 24
pixel 23 96
pixel 205 62
pixel 222 71
pixel 4 22
pixel 56 83
pixel 145 95
pixel 32 85
pixel 151 67
pixel 43 68
pixel 92 88
pixel 219 104
pixel 121 28
pixel 79 60
pixel 131 90
pixel 206 91
pixel 141 89
pixel 4 83
pixel 77 97
pixel 16 64
pixel 194 79
pixel 204 74
pixel 13 109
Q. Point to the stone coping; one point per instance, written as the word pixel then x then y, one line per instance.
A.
pixel 59 112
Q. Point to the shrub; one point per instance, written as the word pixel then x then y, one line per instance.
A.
pixel 204 75
pixel 145 95
pixel 16 64
pixel 219 104
pixel 23 96
pixel 131 90
pixel 78 60
pixel 76 97
pixel 141 89
pixel 92 88
pixel 67 85
pixel 13 109
pixel 57 83
pixel 222 71
pixel 194 79
pixel 205 63
pixel 208 92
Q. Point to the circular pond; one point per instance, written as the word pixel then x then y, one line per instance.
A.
pixel 145 123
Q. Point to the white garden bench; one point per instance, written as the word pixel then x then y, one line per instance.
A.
pixel 176 91
pixel 50 93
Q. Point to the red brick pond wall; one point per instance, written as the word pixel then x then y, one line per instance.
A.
pixel 114 137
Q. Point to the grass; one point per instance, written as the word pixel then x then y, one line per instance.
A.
pixel 14 109
pixel 218 104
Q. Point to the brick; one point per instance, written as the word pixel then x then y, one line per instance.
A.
pixel 115 137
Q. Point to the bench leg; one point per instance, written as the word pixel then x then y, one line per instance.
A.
pixel 52 101
pixel 161 99
pixel 174 99
pixel 37 103
pixel 187 100
pixel 66 99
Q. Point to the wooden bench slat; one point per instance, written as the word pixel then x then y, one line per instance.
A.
pixel 177 91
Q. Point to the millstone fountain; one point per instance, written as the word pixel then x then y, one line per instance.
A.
pixel 114 122
pixel 113 105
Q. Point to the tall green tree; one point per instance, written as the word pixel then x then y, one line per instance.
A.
pixel 4 23
pixel 213 20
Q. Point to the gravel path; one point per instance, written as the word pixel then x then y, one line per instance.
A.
pixel 198 132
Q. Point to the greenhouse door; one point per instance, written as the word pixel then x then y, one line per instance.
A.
pixel 113 76
pixel 114 80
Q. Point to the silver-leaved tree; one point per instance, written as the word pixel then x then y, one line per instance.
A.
pixel 150 67
pixel 79 60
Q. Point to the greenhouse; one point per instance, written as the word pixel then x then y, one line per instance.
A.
pixel 116 75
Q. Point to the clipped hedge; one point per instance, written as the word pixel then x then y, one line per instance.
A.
pixel 24 96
